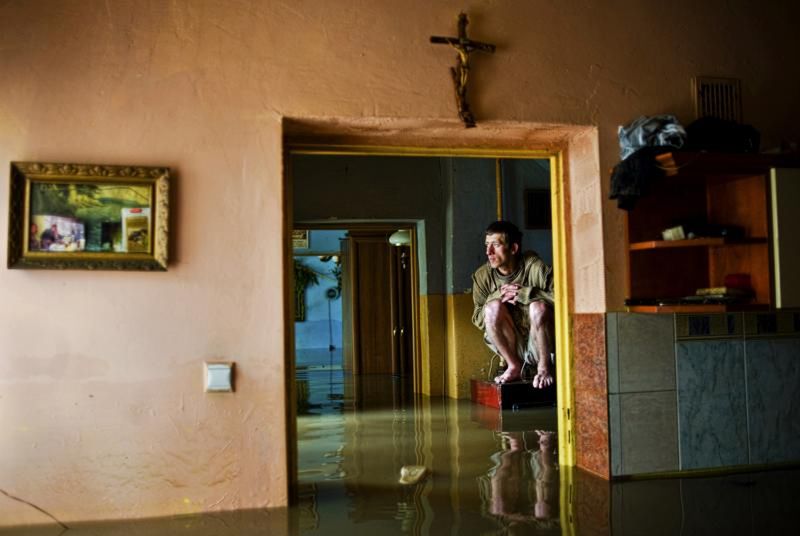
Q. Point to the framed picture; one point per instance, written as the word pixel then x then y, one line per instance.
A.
pixel 88 216
pixel 537 209
pixel 300 238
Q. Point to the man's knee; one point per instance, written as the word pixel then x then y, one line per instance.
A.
pixel 492 312
pixel 541 313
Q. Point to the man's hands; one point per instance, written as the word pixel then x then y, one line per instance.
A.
pixel 509 293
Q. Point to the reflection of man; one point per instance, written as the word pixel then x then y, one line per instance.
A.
pixel 513 297
pixel 543 464
pixel 524 483
pixel 507 477
pixel 50 236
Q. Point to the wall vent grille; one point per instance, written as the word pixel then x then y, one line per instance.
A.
pixel 717 97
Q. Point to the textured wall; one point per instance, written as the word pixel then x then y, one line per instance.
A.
pixel 392 189
pixel 103 415
pixel 471 206
pixel 519 176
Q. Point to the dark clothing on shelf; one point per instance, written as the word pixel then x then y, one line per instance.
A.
pixel 719 135
pixel 632 177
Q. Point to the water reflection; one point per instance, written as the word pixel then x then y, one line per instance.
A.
pixel 522 487
pixel 490 472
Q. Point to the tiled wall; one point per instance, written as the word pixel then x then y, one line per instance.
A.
pixel 642 393
pixel 702 391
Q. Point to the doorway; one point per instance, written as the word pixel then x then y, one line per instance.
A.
pixel 344 175
pixel 446 201
pixel 356 294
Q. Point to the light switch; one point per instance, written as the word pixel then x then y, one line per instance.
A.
pixel 219 376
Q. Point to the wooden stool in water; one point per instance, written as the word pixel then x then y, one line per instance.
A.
pixel 512 395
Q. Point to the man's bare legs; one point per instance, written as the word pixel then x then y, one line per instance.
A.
pixel 501 331
pixel 507 479
pixel 541 334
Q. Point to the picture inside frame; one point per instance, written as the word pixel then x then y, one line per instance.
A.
pixel 87 217
pixel 300 238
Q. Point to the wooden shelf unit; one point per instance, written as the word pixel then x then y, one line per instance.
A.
pixel 701 188
pixel 698 308
pixel 694 242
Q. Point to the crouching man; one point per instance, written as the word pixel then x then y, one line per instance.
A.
pixel 513 296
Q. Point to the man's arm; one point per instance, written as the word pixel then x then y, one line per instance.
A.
pixel 537 284
pixel 481 295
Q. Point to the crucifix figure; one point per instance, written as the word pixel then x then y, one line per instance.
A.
pixel 460 72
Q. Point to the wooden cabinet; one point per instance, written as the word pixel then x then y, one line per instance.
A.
pixel 704 191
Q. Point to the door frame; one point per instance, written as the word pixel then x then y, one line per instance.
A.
pixel 555 154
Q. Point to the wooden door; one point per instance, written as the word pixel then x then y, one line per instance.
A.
pixel 371 315
pixel 401 310
pixel 376 304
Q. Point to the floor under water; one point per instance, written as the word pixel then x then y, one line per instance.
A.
pixel 488 472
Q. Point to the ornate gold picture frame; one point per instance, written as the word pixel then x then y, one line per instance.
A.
pixel 87 216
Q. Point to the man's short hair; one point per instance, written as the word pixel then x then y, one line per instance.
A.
pixel 510 232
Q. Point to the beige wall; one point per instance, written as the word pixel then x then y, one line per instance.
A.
pixel 467 355
pixel 101 405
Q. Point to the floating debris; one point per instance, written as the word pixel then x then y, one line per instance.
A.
pixel 411 474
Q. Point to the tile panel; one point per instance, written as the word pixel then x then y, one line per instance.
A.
pixel 615 434
pixel 612 350
pixel 773 383
pixel 711 404
pixel 771 324
pixel 648 432
pixel 708 326
pixel 646 352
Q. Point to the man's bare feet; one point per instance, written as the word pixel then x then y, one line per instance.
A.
pixel 543 379
pixel 511 374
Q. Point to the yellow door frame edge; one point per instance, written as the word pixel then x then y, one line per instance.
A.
pixel 564 389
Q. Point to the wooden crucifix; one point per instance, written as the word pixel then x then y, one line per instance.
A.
pixel 460 72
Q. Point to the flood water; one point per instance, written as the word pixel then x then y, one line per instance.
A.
pixel 488 472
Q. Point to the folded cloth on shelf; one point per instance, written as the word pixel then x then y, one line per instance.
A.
pixel 650 131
